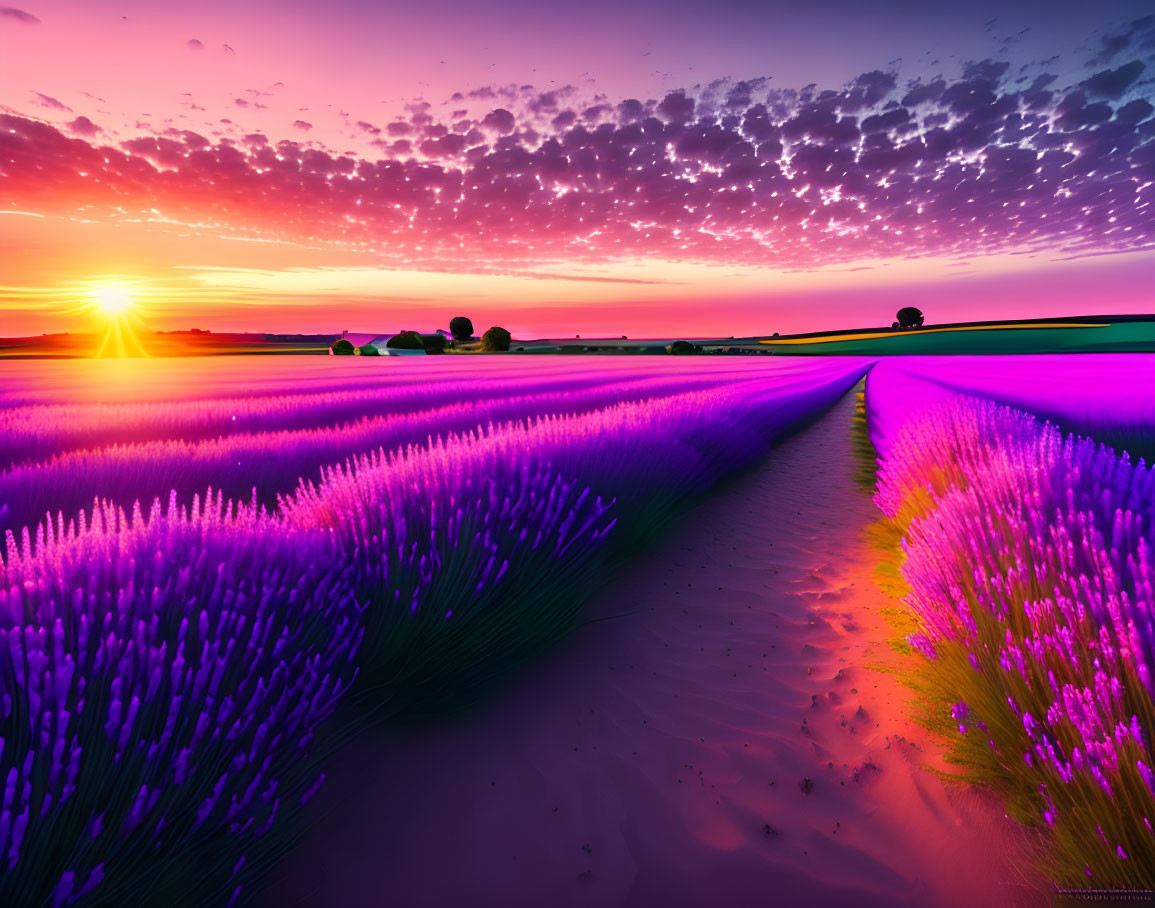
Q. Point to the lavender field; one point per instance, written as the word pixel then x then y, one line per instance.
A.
pixel 198 572
pixel 1025 560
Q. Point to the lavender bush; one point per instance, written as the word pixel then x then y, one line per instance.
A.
pixel 1027 556
pixel 161 678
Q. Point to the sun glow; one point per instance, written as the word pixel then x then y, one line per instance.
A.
pixel 117 303
pixel 113 299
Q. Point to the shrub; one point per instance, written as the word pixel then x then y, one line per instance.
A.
pixel 368 350
pixel 495 340
pixel 461 328
pixel 342 347
pixel 406 340
pixel 433 343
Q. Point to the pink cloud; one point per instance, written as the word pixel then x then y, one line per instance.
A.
pixel 18 15
pixel 45 101
pixel 82 126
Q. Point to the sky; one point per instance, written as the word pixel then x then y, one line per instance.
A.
pixel 606 168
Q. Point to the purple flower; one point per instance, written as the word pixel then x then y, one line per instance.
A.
pixel 1147 774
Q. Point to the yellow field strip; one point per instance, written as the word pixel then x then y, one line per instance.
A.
pixel 846 337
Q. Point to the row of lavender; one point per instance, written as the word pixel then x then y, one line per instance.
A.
pixel 1108 396
pixel 169 677
pixel 1027 558
pixel 62 456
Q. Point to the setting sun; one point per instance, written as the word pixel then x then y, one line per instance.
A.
pixel 112 300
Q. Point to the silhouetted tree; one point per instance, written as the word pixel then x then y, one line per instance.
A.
pixel 461 328
pixel 909 317
pixel 681 347
pixel 341 347
pixel 495 340
pixel 406 340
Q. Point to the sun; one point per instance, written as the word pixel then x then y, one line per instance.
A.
pixel 113 299
pixel 119 305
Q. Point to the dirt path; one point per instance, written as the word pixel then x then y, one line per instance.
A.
pixel 658 757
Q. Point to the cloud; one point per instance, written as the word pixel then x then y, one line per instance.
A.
pixel 1113 82
pixel 45 101
pixel 1138 33
pixel 499 120
pixel 18 15
pixel 82 126
pixel 732 173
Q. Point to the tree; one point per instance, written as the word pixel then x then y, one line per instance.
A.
pixel 681 347
pixel 406 340
pixel 341 347
pixel 495 340
pixel 367 350
pixel 909 317
pixel 461 328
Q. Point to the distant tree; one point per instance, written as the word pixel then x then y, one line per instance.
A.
pixel 461 328
pixel 495 340
pixel 681 347
pixel 406 340
pixel 367 350
pixel 909 317
pixel 341 347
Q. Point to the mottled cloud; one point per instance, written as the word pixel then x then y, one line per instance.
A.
pixel 994 160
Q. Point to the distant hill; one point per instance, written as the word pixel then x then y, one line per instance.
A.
pixel 1067 334
pixel 1098 333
